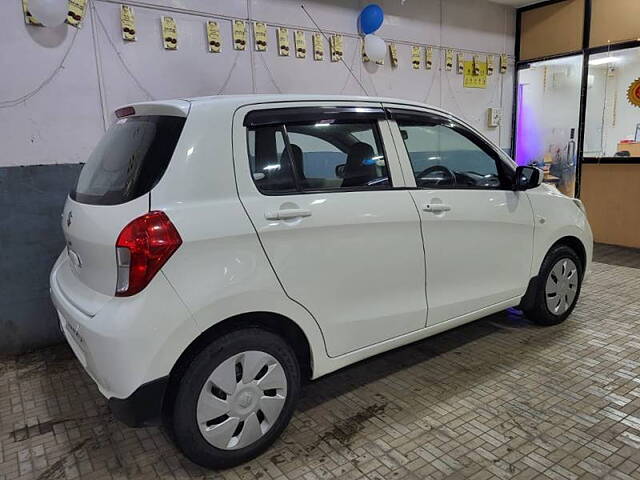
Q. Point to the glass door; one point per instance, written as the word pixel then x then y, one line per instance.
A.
pixel 547 119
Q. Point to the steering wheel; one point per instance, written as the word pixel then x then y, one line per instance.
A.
pixel 450 177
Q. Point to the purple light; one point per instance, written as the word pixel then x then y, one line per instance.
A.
pixel 528 140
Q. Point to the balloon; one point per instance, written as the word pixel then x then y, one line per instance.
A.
pixel 374 47
pixel 371 18
pixel 50 13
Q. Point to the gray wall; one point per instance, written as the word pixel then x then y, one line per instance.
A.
pixel 31 199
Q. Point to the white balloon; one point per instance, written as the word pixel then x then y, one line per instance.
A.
pixel 50 13
pixel 374 47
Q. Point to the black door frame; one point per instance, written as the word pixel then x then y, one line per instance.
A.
pixel 586 52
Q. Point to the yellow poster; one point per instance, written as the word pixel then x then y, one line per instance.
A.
pixel 301 44
pixel 336 44
pixel 365 57
pixel 77 9
pixel 448 60
pixel 169 33
pixel 393 52
pixel 283 41
pixel 415 56
pixel 128 23
pixel 213 37
pixel 476 65
pixel 318 47
pixel 239 35
pixel 428 58
pixel 28 18
pixel 503 63
pixel 260 36
pixel 472 80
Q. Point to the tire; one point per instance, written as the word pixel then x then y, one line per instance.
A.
pixel 254 376
pixel 559 260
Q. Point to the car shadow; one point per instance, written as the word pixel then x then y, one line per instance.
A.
pixel 454 342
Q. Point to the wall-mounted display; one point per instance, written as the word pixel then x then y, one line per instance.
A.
pixel 169 33
pixel 489 64
pixel 460 63
pixel 503 63
pixel 128 23
pixel 239 35
pixel 300 44
pixel 29 19
pixel 393 53
pixel 336 44
pixel 474 74
pixel 77 10
pixel 214 39
pixel 448 60
pixel 260 36
pixel 318 47
pixel 416 55
pixel 365 57
pixel 428 58
pixel 283 41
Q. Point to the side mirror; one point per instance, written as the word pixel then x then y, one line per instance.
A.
pixel 340 171
pixel 527 177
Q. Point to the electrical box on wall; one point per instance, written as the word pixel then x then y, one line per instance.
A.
pixel 494 117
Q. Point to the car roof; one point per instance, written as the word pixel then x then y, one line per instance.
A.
pixel 240 100
pixel 233 102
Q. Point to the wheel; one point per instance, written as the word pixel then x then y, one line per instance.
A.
pixel 558 287
pixel 235 398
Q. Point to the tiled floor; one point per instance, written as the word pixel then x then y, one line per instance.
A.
pixel 499 398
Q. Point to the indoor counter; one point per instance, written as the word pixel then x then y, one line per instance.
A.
pixel 610 191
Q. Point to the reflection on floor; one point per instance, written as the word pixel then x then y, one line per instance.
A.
pixel 498 398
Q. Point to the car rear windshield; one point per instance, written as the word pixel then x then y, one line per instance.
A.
pixel 129 160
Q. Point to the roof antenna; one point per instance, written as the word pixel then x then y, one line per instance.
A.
pixel 341 59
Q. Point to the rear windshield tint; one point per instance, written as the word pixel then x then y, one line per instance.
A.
pixel 129 160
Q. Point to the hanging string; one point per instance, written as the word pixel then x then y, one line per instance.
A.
pixel 353 61
pixel 233 67
pixel 46 81
pixel 120 58
pixel 273 81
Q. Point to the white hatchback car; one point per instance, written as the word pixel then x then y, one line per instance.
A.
pixel 222 250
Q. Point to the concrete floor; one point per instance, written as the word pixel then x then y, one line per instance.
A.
pixel 499 398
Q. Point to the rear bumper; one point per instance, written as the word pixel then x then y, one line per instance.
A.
pixel 130 342
pixel 143 407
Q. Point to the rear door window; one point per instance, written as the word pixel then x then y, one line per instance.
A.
pixel 325 155
pixel 129 160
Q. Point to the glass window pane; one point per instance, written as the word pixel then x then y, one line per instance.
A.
pixel 338 155
pixel 129 160
pixel 270 166
pixel 443 157
pixel 612 122
pixel 547 119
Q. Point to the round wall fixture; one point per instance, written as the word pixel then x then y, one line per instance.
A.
pixel 633 93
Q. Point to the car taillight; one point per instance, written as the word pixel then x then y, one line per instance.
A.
pixel 142 248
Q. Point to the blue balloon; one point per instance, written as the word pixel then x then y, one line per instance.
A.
pixel 371 18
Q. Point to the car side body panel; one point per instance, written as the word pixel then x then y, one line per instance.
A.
pixel 557 216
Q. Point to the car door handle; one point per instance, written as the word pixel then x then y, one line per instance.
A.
pixel 287 213
pixel 436 207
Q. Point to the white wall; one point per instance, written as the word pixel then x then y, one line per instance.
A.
pixel 60 122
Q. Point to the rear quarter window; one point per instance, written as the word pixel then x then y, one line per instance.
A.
pixel 129 160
